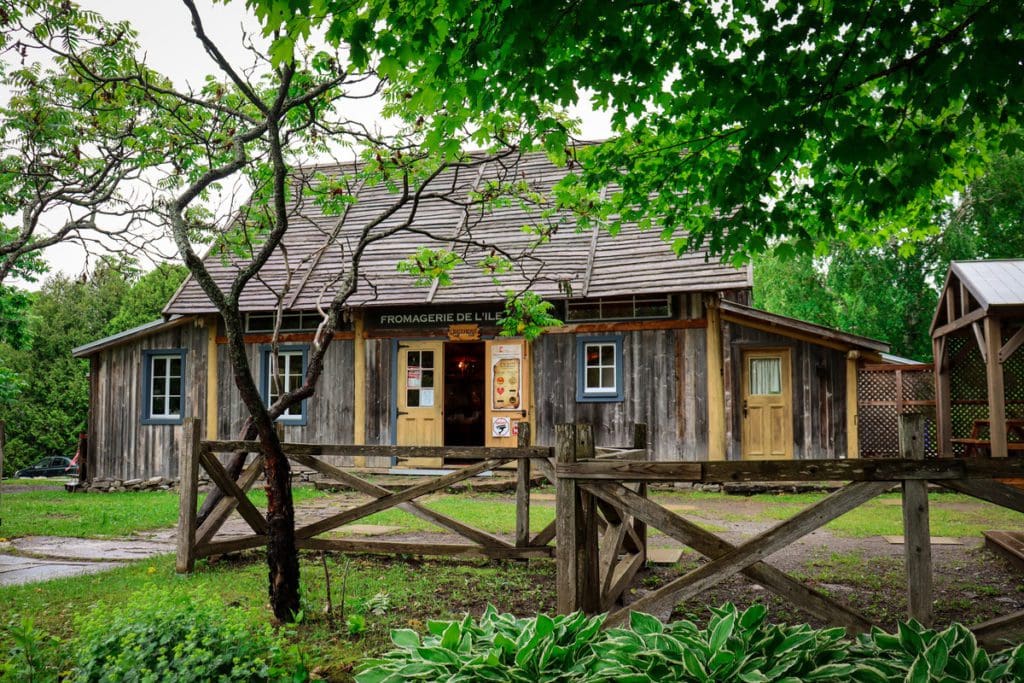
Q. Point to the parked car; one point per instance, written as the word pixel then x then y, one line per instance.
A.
pixel 57 466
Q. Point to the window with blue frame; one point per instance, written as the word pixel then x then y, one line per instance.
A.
pixel 281 373
pixel 599 369
pixel 163 387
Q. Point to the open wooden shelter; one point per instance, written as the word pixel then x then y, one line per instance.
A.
pixel 977 333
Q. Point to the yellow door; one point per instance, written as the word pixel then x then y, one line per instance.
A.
pixel 767 432
pixel 508 391
pixel 420 398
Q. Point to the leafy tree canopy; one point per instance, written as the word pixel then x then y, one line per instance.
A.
pixel 740 124
pixel 890 292
pixel 147 297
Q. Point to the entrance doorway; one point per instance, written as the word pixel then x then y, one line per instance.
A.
pixel 767 425
pixel 464 391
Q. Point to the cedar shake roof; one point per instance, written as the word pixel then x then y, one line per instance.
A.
pixel 588 264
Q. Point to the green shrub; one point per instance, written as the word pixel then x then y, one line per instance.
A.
pixel 161 637
pixel 734 646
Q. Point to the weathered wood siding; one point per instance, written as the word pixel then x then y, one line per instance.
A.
pixel 330 411
pixel 819 392
pixel 120 446
pixel 379 396
pixel 663 386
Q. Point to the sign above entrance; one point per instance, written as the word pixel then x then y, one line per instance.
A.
pixel 435 316
pixel 464 332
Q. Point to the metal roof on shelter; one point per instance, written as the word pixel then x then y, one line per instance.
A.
pixel 583 263
pixel 992 283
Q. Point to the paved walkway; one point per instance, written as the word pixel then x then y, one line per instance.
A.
pixel 41 558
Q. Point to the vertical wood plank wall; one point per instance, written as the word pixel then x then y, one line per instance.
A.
pixel 819 392
pixel 122 447
pixel 330 411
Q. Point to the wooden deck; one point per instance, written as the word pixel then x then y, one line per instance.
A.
pixel 1009 544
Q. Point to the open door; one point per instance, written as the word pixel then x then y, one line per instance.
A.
pixel 767 391
pixel 508 391
pixel 420 398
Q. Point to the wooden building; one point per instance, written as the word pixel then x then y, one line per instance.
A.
pixel 671 342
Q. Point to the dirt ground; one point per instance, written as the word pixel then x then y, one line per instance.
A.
pixel 971 583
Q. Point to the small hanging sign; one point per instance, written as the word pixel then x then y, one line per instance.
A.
pixel 464 332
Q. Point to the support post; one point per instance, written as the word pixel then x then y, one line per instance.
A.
pixel 716 384
pixel 572 529
pixel 83 457
pixel 523 489
pixel 996 390
pixel 212 380
pixel 943 403
pixel 640 441
pixel 917 549
pixel 852 406
pixel 188 495
pixel 359 404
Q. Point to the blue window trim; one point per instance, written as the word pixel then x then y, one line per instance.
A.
pixel 581 372
pixel 147 387
pixel 265 351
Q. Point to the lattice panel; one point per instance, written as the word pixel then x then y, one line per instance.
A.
pixel 883 395
pixel 1013 380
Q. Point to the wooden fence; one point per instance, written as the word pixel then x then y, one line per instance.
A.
pixel 588 488
pixel 603 513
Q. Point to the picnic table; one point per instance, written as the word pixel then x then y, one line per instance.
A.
pixel 978 445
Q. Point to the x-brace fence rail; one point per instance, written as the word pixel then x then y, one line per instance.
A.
pixel 588 489
pixel 196 542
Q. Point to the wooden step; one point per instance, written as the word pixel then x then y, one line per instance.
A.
pixel 1009 544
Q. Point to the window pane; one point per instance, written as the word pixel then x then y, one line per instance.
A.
pixel 427 359
pixel 295 364
pixel 593 355
pixel 428 379
pixel 608 378
pixel 608 355
pixel 159 405
pixel 413 398
pixel 174 405
pixel 765 376
pixel 175 386
pixel 414 359
pixel 159 368
pixel 175 364
pixel 593 378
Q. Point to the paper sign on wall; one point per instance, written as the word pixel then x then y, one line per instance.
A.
pixel 501 426
pixel 413 378
pixel 506 368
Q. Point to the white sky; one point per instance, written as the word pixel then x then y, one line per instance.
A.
pixel 165 33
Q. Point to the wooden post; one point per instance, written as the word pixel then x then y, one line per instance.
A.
pixel 640 441
pixel 996 391
pixel 716 384
pixel 572 528
pixel 852 406
pixel 943 403
pixel 359 404
pixel 523 489
pixel 212 379
pixel 588 550
pixel 188 495
pixel 917 549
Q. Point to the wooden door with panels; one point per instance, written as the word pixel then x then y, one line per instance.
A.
pixel 508 391
pixel 420 398
pixel 767 405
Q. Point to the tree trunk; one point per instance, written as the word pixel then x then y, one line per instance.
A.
pixel 282 555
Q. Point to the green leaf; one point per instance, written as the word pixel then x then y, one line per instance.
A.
pixel 405 638
pixel 919 672
pixel 645 623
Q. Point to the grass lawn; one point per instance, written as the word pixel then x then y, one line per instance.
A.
pixel 950 514
pixel 99 515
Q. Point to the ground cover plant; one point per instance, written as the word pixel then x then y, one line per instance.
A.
pixel 733 646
